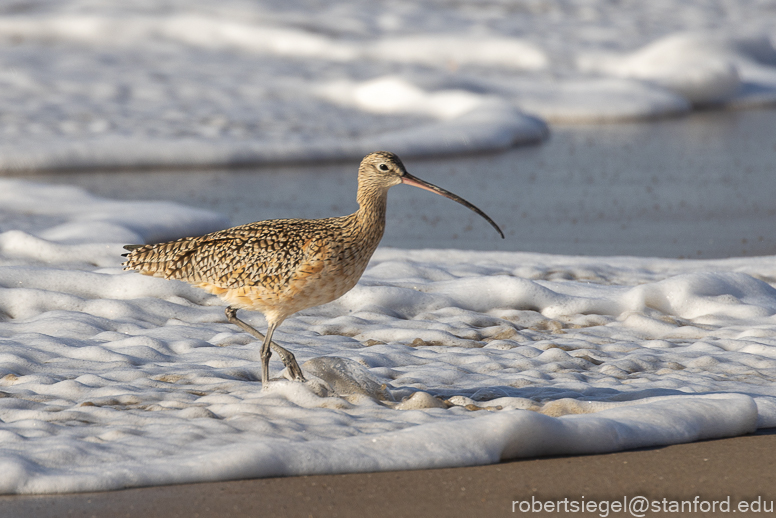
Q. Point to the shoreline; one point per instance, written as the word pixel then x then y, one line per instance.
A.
pixel 736 469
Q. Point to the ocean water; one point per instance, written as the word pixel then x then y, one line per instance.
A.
pixel 448 352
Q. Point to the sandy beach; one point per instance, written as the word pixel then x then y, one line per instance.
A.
pixel 740 469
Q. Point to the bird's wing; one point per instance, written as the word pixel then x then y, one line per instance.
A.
pixel 265 253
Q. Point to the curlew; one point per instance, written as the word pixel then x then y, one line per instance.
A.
pixel 279 267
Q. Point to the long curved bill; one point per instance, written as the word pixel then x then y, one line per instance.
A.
pixel 417 182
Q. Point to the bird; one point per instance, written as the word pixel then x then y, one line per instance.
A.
pixel 283 266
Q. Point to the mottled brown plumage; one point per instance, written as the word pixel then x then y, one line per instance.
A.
pixel 282 266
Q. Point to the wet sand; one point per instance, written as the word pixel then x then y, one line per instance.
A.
pixel 741 468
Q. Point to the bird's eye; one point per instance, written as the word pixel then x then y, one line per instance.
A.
pixel 382 167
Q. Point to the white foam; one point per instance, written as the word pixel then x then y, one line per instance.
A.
pixel 455 50
pixel 596 100
pixel 218 33
pixel 62 214
pixel 704 68
pixel 508 435
pixel 110 379
pixel 98 84
pixel 396 95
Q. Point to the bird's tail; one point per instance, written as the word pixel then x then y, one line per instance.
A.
pixel 131 248
pixel 159 260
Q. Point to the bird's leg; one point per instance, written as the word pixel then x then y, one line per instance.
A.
pixel 285 355
pixel 265 355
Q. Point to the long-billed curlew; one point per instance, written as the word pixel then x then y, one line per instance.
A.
pixel 282 266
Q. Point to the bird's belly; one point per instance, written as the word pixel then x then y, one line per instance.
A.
pixel 302 292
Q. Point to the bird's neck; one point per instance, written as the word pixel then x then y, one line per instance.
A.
pixel 370 217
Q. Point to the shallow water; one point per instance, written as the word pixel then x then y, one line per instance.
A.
pixel 699 187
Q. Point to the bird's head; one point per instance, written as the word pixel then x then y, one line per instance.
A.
pixel 381 170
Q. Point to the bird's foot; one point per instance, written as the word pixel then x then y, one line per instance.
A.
pixel 295 371
pixel 288 359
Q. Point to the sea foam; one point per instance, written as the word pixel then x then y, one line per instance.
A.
pixel 97 85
